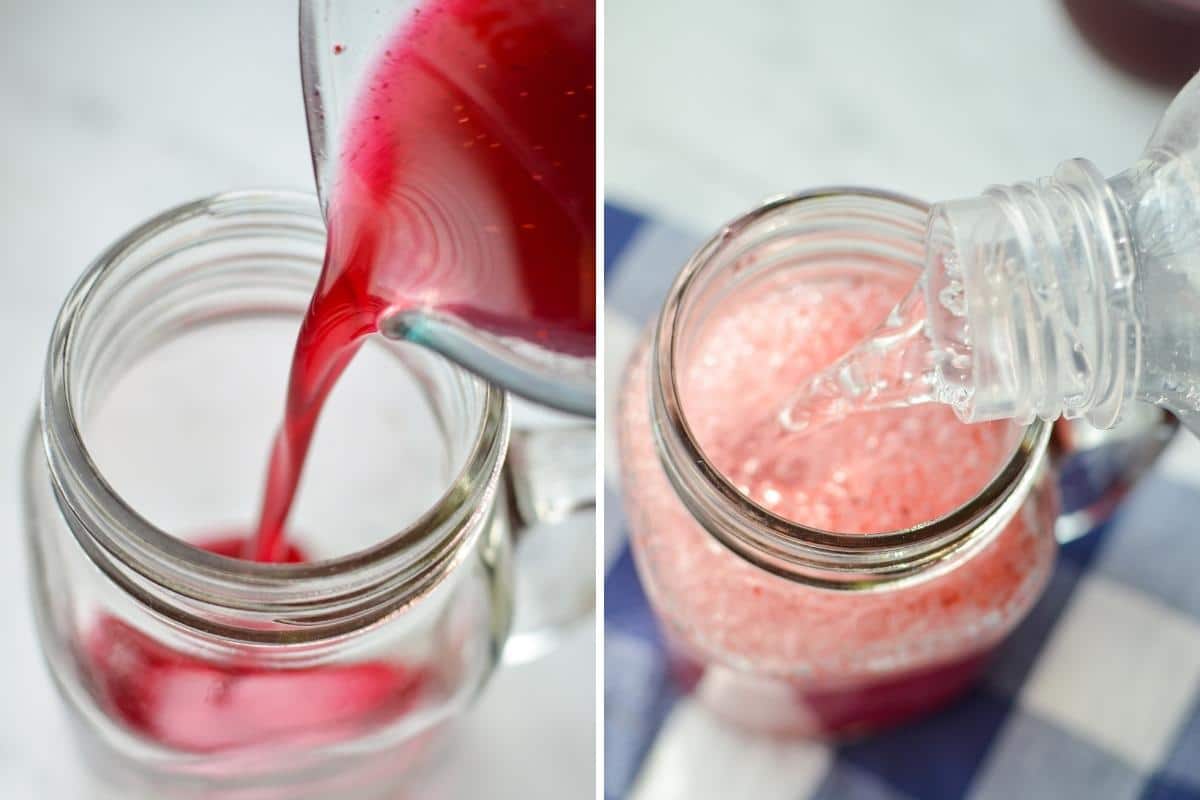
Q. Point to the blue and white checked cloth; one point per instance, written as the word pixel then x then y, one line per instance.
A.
pixel 1096 695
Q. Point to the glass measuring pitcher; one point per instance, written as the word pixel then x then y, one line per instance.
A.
pixel 470 129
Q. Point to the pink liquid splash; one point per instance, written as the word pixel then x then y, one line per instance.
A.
pixel 778 656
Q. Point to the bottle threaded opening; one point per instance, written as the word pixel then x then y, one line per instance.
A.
pixel 1043 310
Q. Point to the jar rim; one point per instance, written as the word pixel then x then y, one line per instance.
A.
pixel 311 600
pixel 823 558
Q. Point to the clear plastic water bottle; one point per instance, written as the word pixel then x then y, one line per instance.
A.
pixel 1072 295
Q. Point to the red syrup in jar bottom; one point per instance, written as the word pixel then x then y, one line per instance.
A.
pixel 843 713
pixel 197 705
pixel 466 186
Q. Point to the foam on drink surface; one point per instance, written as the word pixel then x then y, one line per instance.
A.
pixel 871 472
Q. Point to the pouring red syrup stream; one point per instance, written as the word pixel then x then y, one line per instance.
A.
pixel 466 187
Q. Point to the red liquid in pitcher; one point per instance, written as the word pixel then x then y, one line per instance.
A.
pixel 466 187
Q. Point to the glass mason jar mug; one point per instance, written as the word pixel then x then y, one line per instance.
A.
pixel 947 532
pixel 189 671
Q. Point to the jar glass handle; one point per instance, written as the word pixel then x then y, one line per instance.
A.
pixel 550 479
pixel 1097 468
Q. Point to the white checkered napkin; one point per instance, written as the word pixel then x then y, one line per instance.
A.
pixel 1096 695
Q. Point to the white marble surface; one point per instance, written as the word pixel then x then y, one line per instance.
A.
pixel 111 112
pixel 711 106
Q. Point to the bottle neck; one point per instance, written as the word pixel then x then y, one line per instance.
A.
pixel 1031 298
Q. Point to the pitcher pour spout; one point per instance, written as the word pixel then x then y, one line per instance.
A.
pixel 562 382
